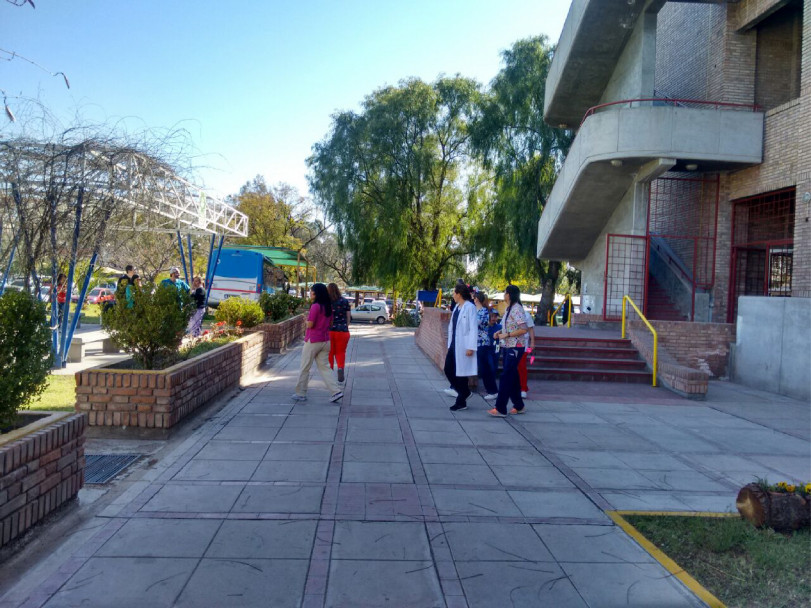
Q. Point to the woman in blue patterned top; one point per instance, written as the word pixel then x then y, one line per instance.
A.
pixel 339 332
pixel 483 354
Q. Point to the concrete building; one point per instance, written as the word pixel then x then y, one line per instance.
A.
pixel 688 184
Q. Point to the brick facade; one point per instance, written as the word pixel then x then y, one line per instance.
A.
pixel 691 383
pixel 432 334
pixel 161 399
pixel 41 468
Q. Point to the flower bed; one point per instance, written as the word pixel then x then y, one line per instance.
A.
pixel 159 399
pixel 41 468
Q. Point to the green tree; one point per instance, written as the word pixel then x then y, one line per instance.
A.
pixel 524 154
pixel 275 214
pixel 393 180
pixel 25 352
pixel 150 323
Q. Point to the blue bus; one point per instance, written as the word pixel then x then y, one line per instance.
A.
pixel 242 273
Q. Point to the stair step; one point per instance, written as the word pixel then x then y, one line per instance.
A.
pixel 544 341
pixel 585 352
pixel 584 364
pixel 591 375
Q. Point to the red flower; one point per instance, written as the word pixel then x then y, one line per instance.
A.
pixel 239 323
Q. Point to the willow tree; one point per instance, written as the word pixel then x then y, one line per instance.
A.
pixel 524 154
pixel 394 181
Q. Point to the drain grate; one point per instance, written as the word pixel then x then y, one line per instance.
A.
pixel 101 468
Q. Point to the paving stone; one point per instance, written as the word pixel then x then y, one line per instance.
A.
pixel 556 503
pixel 256 420
pixel 460 474
pixel 442 438
pixel 380 541
pixel 652 462
pixel 645 500
pixel 217 470
pixel 369 452
pixel 245 583
pixel 531 477
pixel 291 470
pixel 404 584
pixel 617 479
pixel 376 472
pixel 356 435
pixel 486 503
pixel 489 584
pixel 495 542
pixel 264 539
pixel 591 459
pixel 450 455
pixel 311 422
pixel 125 582
pixel 305 434
pixel 631 585
pixel 382 422
pixel 527 456
pixel 233 450
pixel 183 498
pixel 247 433
pixel 146 537
pixel 302 451
pixel 279 499
pixel 684 480
pixel 591 544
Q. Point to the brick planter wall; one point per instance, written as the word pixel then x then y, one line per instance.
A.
pixel 161 399
pixel 701 346
pixel 688 382
pixel 432 334
pixel 41 468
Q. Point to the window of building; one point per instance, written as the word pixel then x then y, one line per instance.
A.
pixel 779 56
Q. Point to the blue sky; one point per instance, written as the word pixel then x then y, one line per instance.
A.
pixel 254 82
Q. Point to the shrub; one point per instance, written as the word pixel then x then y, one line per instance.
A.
pixel 25 352
pixel 152 324
pixel 405 318
pixel 239 312
pixel 279 305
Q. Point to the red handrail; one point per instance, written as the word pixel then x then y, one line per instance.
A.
pixel 715 104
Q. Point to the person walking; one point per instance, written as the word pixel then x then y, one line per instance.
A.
pixel 198 294
pixel 316 345
pixel 339 332
pixel 514 326
pixel 484 355
pixel 460 362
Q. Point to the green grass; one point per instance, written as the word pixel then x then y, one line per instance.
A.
pixel 742 566
pixel 204 347
pixel 59 395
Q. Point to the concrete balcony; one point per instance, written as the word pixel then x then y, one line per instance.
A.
pixel 638 140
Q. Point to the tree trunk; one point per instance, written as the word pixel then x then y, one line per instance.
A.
pixel 549 279
pixel 783 512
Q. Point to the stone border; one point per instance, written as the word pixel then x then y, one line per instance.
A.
pixel 160 399
pixel 41 468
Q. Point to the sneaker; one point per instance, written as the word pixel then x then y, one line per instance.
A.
pixel 490 397
pixel 523 394
pixel 336 397
pixel 340 374
pixel 451 392
pixel 457 407
pixel 496 413
pixel 515 412
pixel 297 397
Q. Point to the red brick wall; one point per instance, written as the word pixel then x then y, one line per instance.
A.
pixel 699 346
pixel 432 334
pixel 39 471
pixel 691 383
pixel 161 399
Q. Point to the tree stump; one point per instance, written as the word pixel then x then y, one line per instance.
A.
pixel 783 512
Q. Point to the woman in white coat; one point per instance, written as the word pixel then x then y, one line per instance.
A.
pixel 463 331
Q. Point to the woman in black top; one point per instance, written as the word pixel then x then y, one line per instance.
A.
pixel 339 332
pixel 198 294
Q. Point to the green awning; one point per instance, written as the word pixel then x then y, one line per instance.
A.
pixel 278 256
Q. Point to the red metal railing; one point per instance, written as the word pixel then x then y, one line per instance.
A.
pixel 717 105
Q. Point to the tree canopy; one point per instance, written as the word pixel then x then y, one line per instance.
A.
pixel 274 212
pixel 394 179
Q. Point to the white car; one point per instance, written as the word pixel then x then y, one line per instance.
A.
pixel 376 312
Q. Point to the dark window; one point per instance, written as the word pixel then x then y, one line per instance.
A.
pixel 779 56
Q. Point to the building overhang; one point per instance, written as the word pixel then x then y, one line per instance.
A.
pixel 615 149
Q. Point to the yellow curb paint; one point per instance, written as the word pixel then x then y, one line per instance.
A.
pixel 661 557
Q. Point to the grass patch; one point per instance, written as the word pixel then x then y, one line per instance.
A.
pixel 204 347
pixel 59 395
pixel 741 565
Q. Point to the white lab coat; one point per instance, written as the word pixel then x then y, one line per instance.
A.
pixel 467 333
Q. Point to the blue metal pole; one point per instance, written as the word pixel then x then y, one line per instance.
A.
pixel 63 349
pixel 214 268
pixel 8 268
pixel 75 320
pixel 191 262
pixel 182 255
pixel 210 253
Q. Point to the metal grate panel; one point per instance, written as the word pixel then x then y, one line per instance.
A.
pixel 101 468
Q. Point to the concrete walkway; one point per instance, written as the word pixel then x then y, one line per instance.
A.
pixel 390 499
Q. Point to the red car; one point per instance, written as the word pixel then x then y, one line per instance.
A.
pixel 99 295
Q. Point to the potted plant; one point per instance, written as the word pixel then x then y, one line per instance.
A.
pixel 783 506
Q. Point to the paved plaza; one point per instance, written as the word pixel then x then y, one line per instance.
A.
pixel 392 500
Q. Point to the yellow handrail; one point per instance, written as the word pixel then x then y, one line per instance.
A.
pixel 555 312
pixel 438 302
pixel 650 327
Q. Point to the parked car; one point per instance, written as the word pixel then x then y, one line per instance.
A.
pixel 375 312
pixel 98 295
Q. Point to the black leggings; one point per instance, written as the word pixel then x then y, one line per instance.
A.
pixel 459 383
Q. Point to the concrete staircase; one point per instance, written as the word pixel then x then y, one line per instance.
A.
pixel 660 306
pixel 587 359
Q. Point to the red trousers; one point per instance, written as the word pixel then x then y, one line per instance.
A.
pixel 522 372
pixel 337 348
